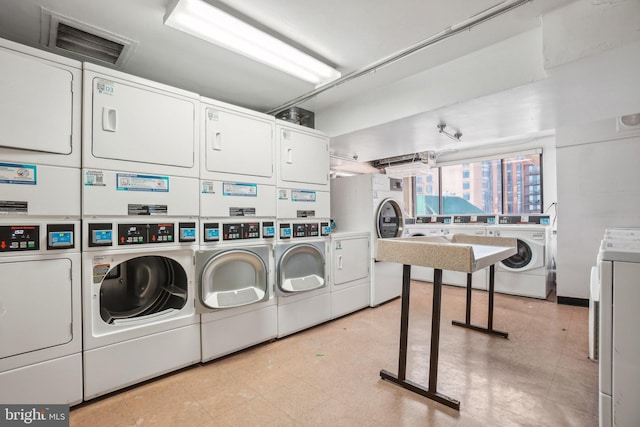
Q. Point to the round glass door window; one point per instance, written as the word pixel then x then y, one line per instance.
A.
pixel 522 258
pixel 389 219
pixel 142 286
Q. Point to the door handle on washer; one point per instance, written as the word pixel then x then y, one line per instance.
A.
pixel 339 262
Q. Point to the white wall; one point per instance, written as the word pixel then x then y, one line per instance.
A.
pixel 598 187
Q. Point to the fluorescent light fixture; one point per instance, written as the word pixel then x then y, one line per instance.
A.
pixel 202 20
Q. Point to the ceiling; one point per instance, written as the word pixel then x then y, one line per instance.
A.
pixel 347 34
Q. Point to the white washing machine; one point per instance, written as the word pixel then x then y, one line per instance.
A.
pixel 138 300
pixel 40 122
pixel 350 284
pixel 140 146
pixel 426 226
pixel 475 225
pixel 40 312
pixel 302 279
pixel 372 203
pixel 528 272
pixel 235 274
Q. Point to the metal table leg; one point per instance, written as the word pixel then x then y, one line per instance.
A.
pixel 400 379
pixel 467 324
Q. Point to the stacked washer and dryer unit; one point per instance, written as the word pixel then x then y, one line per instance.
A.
pixel 235 265
pixel 40 261
pixel 374 204
pixel 140 226
pixel 302 228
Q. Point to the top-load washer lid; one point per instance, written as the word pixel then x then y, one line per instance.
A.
pixel 142 286
pixel 522 258
pixel 301 268
pixel 389 219
pixel 232 279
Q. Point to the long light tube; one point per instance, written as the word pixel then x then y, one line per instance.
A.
pixel 204 21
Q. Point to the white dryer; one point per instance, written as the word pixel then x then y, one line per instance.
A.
pixel 302 280
pixel 140 146
pixel 437 225
pixel 40 122
pixel 527 273
pixel 372 203
pixel 350 284
pixel 237 167
pixel 40 312
pixel 302 227
pixel 475 225
pixel 138 300
pixel 235 274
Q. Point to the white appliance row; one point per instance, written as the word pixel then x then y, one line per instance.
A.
pixel 618 267
pixel 528 273
pixel 165 174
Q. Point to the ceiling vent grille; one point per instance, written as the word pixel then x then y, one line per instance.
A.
pixel 84 42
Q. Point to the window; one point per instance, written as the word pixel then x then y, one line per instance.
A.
pixel 427 200
pixel 477 192
pixel 507 185
pixel 525 190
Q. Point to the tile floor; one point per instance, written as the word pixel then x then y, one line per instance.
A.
pixel 329 375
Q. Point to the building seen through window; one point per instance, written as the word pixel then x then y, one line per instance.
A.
pixel 499 186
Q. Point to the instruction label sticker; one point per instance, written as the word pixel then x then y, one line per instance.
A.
pixel 11 173
pixel 133 182
pixel 283 194
pixel 11 207
pixel 239 189
pixel 212 115
pixel 208 187
pixel 105 87
pixel 99 271
pixel 94 178
pixel 303 196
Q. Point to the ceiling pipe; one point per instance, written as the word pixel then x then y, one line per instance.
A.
pixel 469 23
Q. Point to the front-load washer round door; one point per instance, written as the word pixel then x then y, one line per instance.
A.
pixel 301 268
pixel 233 278
pixel 389 219
pixel 142 286
pixel 526 257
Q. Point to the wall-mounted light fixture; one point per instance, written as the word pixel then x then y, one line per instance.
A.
pixel 455 136
pixel 209 23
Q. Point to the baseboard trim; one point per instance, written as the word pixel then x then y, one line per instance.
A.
pixel 579 302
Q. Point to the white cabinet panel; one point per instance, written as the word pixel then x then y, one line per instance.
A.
pixel 237 142
pixel 303 157
pixel 40 111
pixel 36 104
pixel 132 124
pixel 36 305
pixel 350 259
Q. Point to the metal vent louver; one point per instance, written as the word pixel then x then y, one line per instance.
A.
pixel 82 41
pixel 87 44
